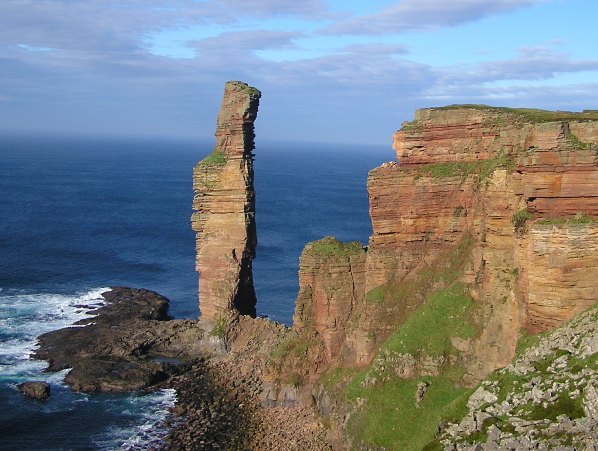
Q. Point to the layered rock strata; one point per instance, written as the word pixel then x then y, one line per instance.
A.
pixel 224 208
pixel 502 200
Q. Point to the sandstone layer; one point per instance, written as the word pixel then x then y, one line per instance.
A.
pixel 502 200
pixel 224 209
pixel 484 231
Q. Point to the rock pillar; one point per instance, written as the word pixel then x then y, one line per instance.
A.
pixel 224 208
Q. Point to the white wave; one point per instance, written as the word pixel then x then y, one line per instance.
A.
pixel 147 429
pixel 25 316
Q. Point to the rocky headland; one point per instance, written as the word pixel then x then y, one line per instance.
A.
pixel 467 322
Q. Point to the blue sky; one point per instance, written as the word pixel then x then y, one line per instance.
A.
pixel 329 70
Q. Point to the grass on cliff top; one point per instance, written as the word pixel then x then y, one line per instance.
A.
pixel 530 114
pixel 215 158
pixel 331 247
pixel 253 92
pixel 389 416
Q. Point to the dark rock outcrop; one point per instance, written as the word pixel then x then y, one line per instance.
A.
pixel 35 389
pixel 128 344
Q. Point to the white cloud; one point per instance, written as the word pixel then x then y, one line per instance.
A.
pixel 409 15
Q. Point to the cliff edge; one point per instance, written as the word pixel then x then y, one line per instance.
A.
pixel 485 229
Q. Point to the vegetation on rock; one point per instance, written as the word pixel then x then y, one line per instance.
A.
pixel 331 247
pixel 482 169
pixel 530 114
pixel 215 158
pixel 519 220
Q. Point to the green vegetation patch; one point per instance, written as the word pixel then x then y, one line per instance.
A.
pixel 291 346
pixel 578 143
pixel 376 294
pixel 390 416
pixel 413 127
pixel 336 376
pixel 520 218
pixel 219 328
pixel 446 314
pixel 250 90
pixel 215 158
pixel 331 247
pixel 578 219
pixel 530 114
pixel 564 405
pixel 482 169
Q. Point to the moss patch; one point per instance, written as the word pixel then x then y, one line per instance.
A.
pixel 215 158
pixel 481 169
pixel 331 247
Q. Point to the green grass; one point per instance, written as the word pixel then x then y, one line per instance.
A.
pixel 578 143
pixel 331 247
pixel 530 114
pixel 215 158
pixel 519 220
pixel 292 345
pixel 336 376
pixel 564 405
pixel 413 127
pixel 578 219
pixel 376 294
pixel 463 169
pixel 390 416
pixel 527 341
pixel 446 314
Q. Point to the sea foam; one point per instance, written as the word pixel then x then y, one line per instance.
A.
pixel 24 316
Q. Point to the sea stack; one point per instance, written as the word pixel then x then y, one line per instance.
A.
pixel 224 209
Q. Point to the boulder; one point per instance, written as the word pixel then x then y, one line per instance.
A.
pixel 35 389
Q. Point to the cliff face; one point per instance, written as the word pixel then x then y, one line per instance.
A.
pixel 502 201
pixel 224 208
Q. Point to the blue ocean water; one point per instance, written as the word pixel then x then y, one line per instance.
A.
pixel 82 214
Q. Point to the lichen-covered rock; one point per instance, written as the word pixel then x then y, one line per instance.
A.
pixel 224 209
pixel 545 399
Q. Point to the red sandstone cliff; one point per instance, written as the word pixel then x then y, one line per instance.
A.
pixel 504 201
pixel 224 208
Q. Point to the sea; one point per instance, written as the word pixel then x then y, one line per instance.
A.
pixel 79 215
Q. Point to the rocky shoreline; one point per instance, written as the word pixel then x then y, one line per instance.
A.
pixel 131 344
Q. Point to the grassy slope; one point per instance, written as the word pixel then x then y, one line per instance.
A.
pixel 390 416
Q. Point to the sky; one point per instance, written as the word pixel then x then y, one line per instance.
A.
pixel 340 71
